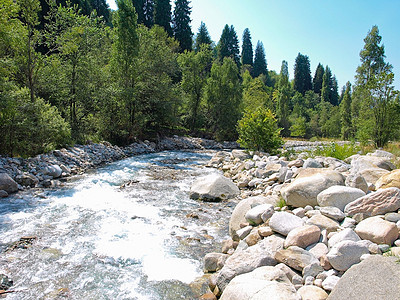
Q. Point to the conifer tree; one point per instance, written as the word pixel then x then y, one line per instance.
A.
pixel 148 13
pixel 302 74
pixel 334 97
pixel 318 77
pixel 229 45
pixel 260 63
pixel 139 8
pixel 181 24
pixel 282 97
pixel 247 48
pixel 345 113
pixel 162 15
pixel 202 37
pixel 326 85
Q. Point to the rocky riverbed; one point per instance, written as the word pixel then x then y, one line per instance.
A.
pixel 306 228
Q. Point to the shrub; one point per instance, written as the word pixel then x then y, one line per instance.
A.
pixel 258 130
pixel 337 151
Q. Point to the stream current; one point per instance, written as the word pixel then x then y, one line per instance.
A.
pixel 127 230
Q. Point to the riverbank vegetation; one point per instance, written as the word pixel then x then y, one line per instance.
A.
pixel 76 71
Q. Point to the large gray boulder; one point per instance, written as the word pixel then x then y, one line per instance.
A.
pixel 375 278
pixel 239 213
pixel 245 261
pixel 54 171
pixel 7 183
pixel 309 183
pixel 213 187
pixel 345 254
pixel 262 283
pixel 27 180
pixel 338 196
pixel 377 203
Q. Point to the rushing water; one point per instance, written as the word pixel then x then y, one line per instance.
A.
pixel 98 240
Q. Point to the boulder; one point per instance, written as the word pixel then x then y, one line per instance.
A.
pixel 254 215
pixel 318 250
pixel 284 222
pixel 54 171
pixel 239 213
pixel 377 230
pixel 377 203
pixel 303 236
pixel 27 180
pixel 262 283
pixel 309 183
pixel 7 183
pixel 211 261
pixel 372 175
pixel 213 187
pixel 338 196
pixel 3 194
pixel 344 254
pixel 311 163
pixel 347 234
pixel 391 179
pixel 375 278
pixel 295 257
pixel 323 223
pixel 383 154
pixel 357 181
pixel 261 254
pixel 363 162
pixel 241 154
pixel 312 292
pixel 332 212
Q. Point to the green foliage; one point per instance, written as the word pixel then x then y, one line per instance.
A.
pixel 256 94
pixel 163 16
pixel 260 63
pixel 345 112
pixel 223 95
pixel 181 21
pixel 247 48
pixel 318 78
pixel 280 203
pixel 202 38
pixel 336 151
pixel 302 74
pixel 228 45
pixel 299 127
pixel 258 130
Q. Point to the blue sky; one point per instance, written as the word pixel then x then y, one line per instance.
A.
pixel 330 32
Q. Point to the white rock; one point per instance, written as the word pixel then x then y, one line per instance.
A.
pixel 330 282
pixel 338 196
pixel 254 215
pixel 345 235
pixel 213 187
pixel 284 222
pixel 345 254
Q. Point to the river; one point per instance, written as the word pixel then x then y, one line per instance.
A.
pixel 127 230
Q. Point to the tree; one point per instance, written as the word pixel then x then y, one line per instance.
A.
pixel 223 95
pixel 302 74
pixel 162 15
pixel 195 69
pixel 318 78
pixel 326 85
pixel 258 130
pixel 260 63
pixel 181 24
pixel 256 94
pixel 228 45
pixel 139 8
pixel 247 48
pixel 202 38
pixel 374 86
pixel 345 111
pixel 282 98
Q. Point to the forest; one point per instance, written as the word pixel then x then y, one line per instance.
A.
pixel 76 72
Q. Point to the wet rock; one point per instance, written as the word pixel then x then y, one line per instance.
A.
pixel 377 230
pixel 23 243
pixel 284 222
pixel 391 179
pixel 377 203
pixel 346 253
pixel 7 183
pixel 295 257
pixel 308 184
pixel 27 180
pixel 338 196
pixel 211 261
pixel 3 194
pixel 213 187
pixel 303 236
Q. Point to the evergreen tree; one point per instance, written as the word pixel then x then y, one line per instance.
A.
pixel 345 112
pixel 282 98
pixel 148 13
pixel 260 63
pixel 229 45
pixel 318 78
pixel 202 37
pixel 326 85
pixel 181 25
pixel 302 74
pixel 334 97
pixel 247 48
pixel 162 15
pixel 139 8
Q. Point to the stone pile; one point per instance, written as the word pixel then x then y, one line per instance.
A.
pixel 302 224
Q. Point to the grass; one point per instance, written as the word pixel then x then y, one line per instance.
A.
pixel 336 151
pixel 280 203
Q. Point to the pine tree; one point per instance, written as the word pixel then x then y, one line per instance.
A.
pixel 302 74
pixel 139 8
pixel 247 48
pixel 318 77
pixel 162 15
pixel 202 37
pixel 282 97
pixel 148 13
pixel 229 45
pixel 181 24
pixel 334 97
pixel 326 85
pixel 345 112
pixel 260 63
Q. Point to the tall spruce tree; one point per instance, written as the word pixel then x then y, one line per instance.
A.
pixel 326 85
pixel 302 74
pixel 247 48
pixel 202 37
pixel 229 45
pixel 181 25
pixel 345 113
pixel 162 15
pixel 282 98
pixel 260 63
pixel 318 78
pixel 334 99
pixel 139 8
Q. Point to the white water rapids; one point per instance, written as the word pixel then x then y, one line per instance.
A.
pixel 96 240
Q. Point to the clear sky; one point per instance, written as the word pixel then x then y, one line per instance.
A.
pixel 330 32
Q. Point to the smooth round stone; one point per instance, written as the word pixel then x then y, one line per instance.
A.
pixel 392 217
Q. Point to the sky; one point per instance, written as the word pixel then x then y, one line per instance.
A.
pixel 330 32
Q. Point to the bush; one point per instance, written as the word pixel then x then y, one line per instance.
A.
pixel 337 151
pixel 259 131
